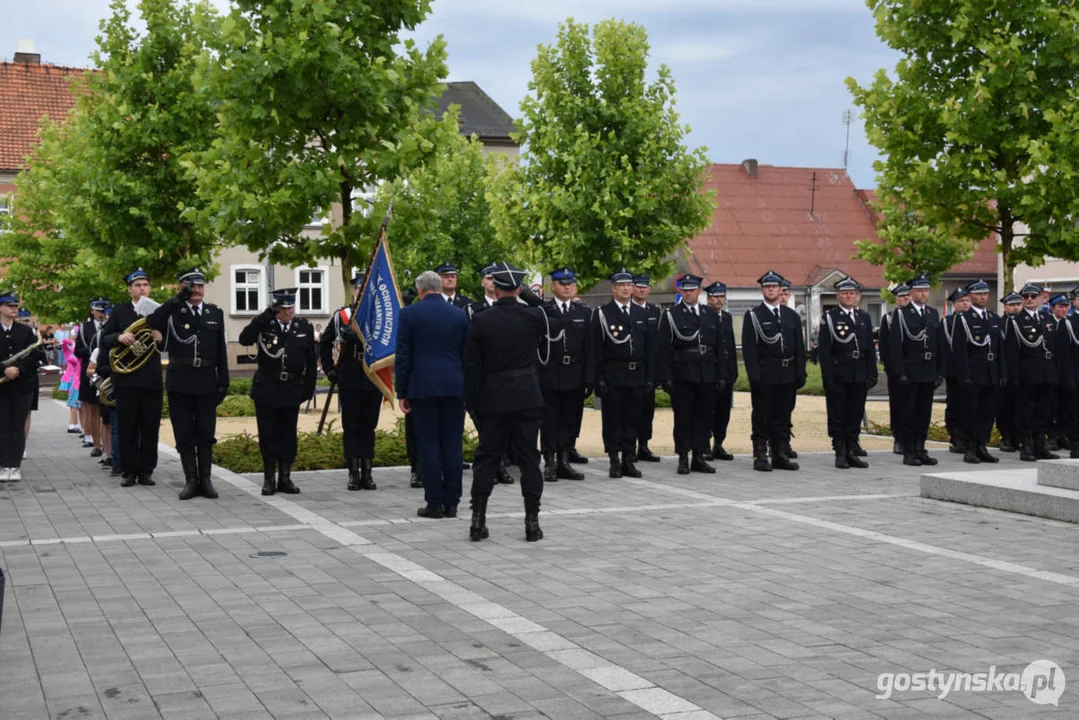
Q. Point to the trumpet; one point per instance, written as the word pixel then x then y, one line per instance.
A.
pixel 126 359
pixel 17 357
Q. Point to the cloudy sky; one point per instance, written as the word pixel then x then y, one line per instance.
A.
pixel 755 78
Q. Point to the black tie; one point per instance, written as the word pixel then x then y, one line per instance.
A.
pixel 195 310
pixel 625 310
pixel 778 318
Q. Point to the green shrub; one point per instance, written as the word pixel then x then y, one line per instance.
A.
pixel 236 406
pixel 937 433
pixel 814 384
pixel 58 394
pixel 239 386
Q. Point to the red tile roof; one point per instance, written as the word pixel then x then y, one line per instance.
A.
pixel 29 92
pixel 765 223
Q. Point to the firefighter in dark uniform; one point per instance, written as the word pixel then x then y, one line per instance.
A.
pixel 1031 353
pixel 918 366
pixel 978 367
pixel 1059 306
pixel 784 299
pixel 138 394
pixel 848 367
pixel 361 400
pixel 960 301
pixel 775 358
pixel 620 372
pixel 642 288
pixel 687 346
pixel 197 378
pixel 16 385
pixel 448 272
pixel 727 371
pixel 88 340
pixel 284 380
pixel 1009 439
pixel 503 388
pixel 901 292
pixel 562 378
pixel 1069 340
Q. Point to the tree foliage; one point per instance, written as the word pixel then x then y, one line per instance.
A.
pixel 104 190
pixel 977 124
pixel 318 100
pixel 607 180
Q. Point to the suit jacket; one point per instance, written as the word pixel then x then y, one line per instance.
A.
pixel 779 362
pixel 199 367
pixel 621 347
pixel 920 360
pixel 350 373
pixel 501 373
pixel 687 345
pixel 977 353
pixel 148 377
pixel 431 339
pixel 570 334
pixel 20 338
pixel 1031 347
pixel 287 380
pixel 843 359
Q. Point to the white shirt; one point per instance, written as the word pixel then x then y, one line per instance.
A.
pixel 920 309
pixel 7 328
pixel 489 301
pixel 448 298
pixel 623 308
pixel 695 309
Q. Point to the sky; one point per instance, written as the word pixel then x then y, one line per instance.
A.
pixel 759 79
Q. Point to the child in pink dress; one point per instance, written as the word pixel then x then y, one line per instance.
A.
pixel 70 382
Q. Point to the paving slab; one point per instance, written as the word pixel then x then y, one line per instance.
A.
pixel 1043 492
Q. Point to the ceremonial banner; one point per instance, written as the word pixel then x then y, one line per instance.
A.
pixel 376 317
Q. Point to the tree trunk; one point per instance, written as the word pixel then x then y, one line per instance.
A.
pixel 347 260
pixel 1007 237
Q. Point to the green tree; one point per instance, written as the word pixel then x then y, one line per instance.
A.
pixel 318 101
pixel 607 180
pixel 977 124
pixel 104 191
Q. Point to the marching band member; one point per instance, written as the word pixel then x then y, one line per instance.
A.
pixel 20 363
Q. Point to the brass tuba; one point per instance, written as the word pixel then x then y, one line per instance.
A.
pixel 126 359
pixel 105 392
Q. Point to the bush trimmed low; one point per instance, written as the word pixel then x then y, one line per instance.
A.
pixel 236 406
pixel 937 433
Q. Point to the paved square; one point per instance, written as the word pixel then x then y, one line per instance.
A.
pixel 739 595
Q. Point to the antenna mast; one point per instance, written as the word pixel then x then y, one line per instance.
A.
pixel 848 120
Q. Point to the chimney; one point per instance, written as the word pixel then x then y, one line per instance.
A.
pixel 25 52
pixel 751 167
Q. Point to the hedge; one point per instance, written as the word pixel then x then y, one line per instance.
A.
pixel 937 433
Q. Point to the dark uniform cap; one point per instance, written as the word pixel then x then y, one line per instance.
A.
pixel 785 284
pixel 564 275
pixel 847 283
pixel 978 286
pixel 770 278
pixel 8 297
pixel 193 276
pixel 1061 299
pixel 487 270
pixel 716 289
pixel 690 282
pixel 1011 299
pixel 901 289
pixel 285 297
pixel 99 303
pixel 136 274
pixel 23 313
pixel 642 280
pixel 1031 289
pixel 621 275
pixel 507 277
pixel 919 282
pixel 958 294
pixel 357 279
pixel 1075 292
pixel 446 268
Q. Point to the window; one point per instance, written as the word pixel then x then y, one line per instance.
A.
pixel 311 291
pixel 5 210
pixel 247 290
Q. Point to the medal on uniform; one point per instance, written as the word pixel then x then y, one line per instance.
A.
pixel 186 326
pixel 842 331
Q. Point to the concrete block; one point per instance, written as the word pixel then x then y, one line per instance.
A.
pixel 1059 473
pixel 1011 490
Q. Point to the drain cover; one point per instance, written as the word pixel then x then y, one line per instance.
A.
pixel 269 553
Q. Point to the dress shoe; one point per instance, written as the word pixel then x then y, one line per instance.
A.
pixel 699 465
pixel 96 452
pixel 432 512
pixel 415 480
pixel 450 512
pixel 646 455
pixel 683 464
pixel 147 480
pixel 971 458
pixel 128 479
pixel 911 458
pixel 985 456
pixel 576 458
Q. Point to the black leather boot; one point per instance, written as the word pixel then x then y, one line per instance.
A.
pixel 269 477
pixel 1026 449
pixel 533 533
pixel 760 456
pixel 924 455
pixel 718 453
pixel 206 465
pixel 840 448
pixel 853 458
pixel 683 464
pixel 780 459
pixel 788 451
pixel 628 468
pixel 1007 443
pixel 478 529
pixel 910 454
pixel 284 479
pixel 699 465
pixel 353 473
pixel 191 475
pixel 550 472
pixel 502 475
pixel 367 482
pixel 971 457
pixel 576 458
pixel 616 466
pixel 564 470
pixel 1041 449
pixel 646 455
pixel 985 456
pixel 897 448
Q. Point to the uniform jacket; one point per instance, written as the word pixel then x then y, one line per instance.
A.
pixel 459 301
pixel 1069 350
pixel 501 370
pixel 1031 349
pixel 477 306
pixel 287 380
pixel 198 355
pixel 350 373
pixel 977 352
pixel 19 338
pixel 727 358
pixel 148 377
pixel 883 338
pixel 846 353
pixel 570 334
pixel 688 345
pixel 947 328
pixel 431 339
pixel 88 339
pixel 621 347
pixel 781 361
pixel 920 360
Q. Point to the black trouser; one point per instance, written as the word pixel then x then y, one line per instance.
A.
pixel 500 432
pixel 410 442
pixel 139 413
pixel 559 431
pixel 194 420
pixel 721 418
pixel 1073 419
pixel 772 407
pixel 577 420
pixel 895 417
pixel 846 407
pixel 978 405
pixel 277 432
pixel 621 409
pixel 1063 401
pixel 1033 405
pixel 915 411
pixel 648 414
pixel 694 406
pixel 359 418
pixel 14 407
pixel 1006 412
pixel 952 413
